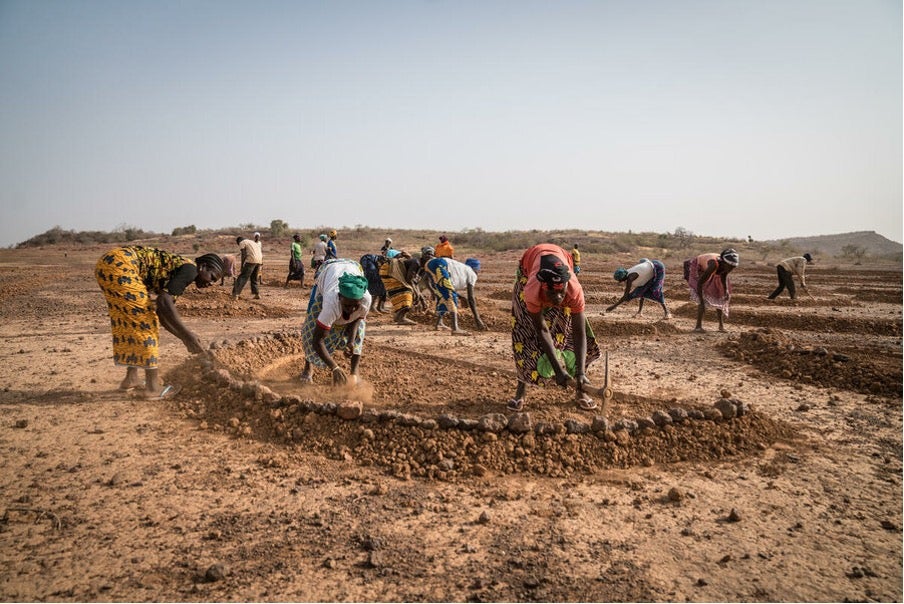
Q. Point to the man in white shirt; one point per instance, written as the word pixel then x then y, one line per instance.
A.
pixel 252 258
pixel 335 320
pixel 786 269
pixel 318 254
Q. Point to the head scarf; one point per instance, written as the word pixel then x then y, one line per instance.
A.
pixel 322 237
pixel 620 274
pixel 211 260
pixel 334 234
pixel 428 251
pixel 808 257
pixel 256 234
pixel 474 263
pixel 730 256
pixel 443 238
pixel 352 286
pixel 553 272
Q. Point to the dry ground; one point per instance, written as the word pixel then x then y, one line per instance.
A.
pixel 219 495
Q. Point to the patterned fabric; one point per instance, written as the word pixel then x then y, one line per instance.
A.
pixel 399 293
pixel 531 362
pixel 127 276
pixel 334 339
pixel 371 265
pixel 441 284
pixel 714 294
pixel 652 289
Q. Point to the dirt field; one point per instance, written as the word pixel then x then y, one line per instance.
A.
pixel 249 487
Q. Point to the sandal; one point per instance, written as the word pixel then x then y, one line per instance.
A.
pixel 586 403
pixel 168 391
pixel 516 404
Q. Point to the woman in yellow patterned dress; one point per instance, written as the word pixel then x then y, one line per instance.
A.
pixel 140 285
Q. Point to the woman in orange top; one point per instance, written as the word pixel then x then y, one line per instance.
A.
pixel 551 338
pixel 444 249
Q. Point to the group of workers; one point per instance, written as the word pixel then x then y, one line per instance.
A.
pixel 551 337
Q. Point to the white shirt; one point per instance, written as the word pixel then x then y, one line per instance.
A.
pixel 320 250
pixel 328 286
pixel 460 274
pixel 253 252
pixel 645 271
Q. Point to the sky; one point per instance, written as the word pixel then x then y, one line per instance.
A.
pixel 727 118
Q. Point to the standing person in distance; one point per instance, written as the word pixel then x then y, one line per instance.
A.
pixel 296 262
pixel 709 283
pixel 786 269
pixel 318 254
pixel 444 249
pixel 576 259
pixel 331 251
pixel 252 258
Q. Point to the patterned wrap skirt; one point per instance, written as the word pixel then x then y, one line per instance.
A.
pixel 652 289
pixel 441 285
pixel 531 363
pixel 399 294
pixel 371 267
pixel 335 339
pixel 133 314
pixel 714 295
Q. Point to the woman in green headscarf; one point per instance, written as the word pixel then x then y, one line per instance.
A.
pixel 335 319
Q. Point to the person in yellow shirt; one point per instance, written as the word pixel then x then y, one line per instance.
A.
pixel 576 257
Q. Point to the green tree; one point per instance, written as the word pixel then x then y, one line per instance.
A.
pixel 278 228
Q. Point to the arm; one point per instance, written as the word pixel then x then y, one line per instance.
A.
pixel 172 322
pixel 579 338
pixel 631 278
pixel 545 339
pixel 472 302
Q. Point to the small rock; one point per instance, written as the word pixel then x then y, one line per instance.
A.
pixel 726 408
pixel 734 516
pixel 21 423
pixel 216 572
pixel 349 410
pixel 484 517
pixel 520 423
pixel 676 494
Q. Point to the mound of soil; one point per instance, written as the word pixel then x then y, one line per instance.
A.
pixel 782 356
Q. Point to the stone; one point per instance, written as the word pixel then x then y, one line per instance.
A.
pixel 520 423
pixel 726 408
pixel 349 410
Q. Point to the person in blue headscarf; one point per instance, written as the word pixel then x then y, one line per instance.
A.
pixel 335 320
pixel 644 280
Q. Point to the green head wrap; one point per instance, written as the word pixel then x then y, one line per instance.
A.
pixel 352 286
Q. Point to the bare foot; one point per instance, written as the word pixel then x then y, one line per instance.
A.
pixel 460 332
pixel 168 391
pixel 699 330
pixel 406 321
pixel 668 316
pixel 130 383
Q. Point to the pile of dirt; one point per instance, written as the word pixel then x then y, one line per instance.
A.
pixel 781 356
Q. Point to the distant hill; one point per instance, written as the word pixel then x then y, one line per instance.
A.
pixel 832 245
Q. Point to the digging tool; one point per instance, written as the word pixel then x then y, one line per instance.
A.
pixel 808 293
pixel 605 391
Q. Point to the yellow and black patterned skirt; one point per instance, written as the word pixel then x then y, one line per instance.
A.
pixel 133 318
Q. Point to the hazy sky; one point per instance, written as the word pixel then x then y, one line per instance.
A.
pixel 770 118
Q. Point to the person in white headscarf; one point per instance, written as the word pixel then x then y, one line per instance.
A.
pixel 707 278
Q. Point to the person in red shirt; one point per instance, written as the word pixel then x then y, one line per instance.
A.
pixel 551 337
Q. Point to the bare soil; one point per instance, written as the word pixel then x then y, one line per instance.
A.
pixel 418 485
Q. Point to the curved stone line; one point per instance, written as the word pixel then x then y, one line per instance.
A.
pixel 517 423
